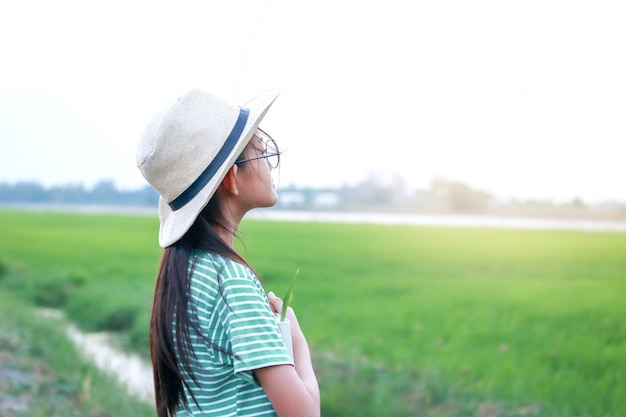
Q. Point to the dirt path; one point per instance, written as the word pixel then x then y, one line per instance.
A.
pixel 129 369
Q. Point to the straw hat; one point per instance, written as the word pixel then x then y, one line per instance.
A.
pixel 186 151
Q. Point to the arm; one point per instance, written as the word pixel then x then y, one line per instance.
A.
pixel 292 391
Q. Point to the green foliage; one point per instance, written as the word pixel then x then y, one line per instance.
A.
pixel 4 268
pixel 43 374
pixel 104 193
pixel 288 296
pixel 358 387
pixel 109 306
pixel 99 268
pixel 460 321
pixel 522 316
pixel 55 290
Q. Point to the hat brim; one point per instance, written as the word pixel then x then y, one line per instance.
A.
pixel 174 224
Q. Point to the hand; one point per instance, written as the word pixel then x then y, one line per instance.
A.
pixel 276 304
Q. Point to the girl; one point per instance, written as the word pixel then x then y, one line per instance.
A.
pixel 215 345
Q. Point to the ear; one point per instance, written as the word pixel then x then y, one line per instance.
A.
pixel 229 183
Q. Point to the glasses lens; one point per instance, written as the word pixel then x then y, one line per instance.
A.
pixel 272 152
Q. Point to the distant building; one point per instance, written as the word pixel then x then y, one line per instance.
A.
pixel 307 198
pixel 326 199
pixel 291 198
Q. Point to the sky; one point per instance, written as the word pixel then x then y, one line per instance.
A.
pixel 524 99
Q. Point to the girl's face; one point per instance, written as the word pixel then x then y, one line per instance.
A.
pixel 255 179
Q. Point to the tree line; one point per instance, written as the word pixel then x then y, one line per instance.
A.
pixel 367 194
pixel 443 196
pixel 102 193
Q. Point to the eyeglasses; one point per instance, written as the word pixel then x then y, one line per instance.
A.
pixel 270 153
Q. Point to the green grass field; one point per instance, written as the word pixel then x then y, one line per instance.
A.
pixel 403 319
pixel 42 374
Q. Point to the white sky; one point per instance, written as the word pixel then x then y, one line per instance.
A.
pixel 521 98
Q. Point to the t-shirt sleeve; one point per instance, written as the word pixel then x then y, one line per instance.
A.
pixel 255 339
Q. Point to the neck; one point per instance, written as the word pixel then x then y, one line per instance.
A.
pixel 228 227
pixel 226 234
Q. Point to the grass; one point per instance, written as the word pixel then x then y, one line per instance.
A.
pixel 41 373
pixel 403 320
pixel 526 316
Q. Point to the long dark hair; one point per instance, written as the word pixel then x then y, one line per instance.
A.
pixel 170 301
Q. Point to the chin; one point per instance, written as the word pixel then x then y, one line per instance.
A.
pixel 269 203
pixel 273 198
pixel 274 201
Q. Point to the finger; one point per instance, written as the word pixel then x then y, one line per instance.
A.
pixel 275 302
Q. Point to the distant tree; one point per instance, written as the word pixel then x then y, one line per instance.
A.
pixel 146 196
pixel 72 193
pixel 103 193
pixel 457 196
pixel 368 193
pixel 27 191
pixel 577 203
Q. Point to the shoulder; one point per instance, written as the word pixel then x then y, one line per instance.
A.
pixel 213 266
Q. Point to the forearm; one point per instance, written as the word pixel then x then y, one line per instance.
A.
pixel 288 392
pixel 304 368
pixel 293 391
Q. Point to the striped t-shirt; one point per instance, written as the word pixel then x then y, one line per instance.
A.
pixel 233 312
